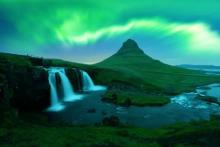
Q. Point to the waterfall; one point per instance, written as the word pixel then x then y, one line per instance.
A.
pixel 67 89
pixel 88 84
pixel 69 95
pixel 55 104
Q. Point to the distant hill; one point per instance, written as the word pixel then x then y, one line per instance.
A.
pixel 208 69
pixel 199 66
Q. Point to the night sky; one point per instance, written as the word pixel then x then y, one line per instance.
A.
pixel 88 31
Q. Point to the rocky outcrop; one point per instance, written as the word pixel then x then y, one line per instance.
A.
pixel 76 78
pixel 25 87
pixel 31 89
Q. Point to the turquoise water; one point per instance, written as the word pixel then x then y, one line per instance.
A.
pixel 183 108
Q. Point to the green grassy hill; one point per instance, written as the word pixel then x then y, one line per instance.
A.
pixel 131 61
pixel 130 74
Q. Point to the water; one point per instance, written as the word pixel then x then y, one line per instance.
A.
pixel 58 103
pixel 55 104
pixel 88 84
pixel 213 90
pixel 183 108
pixel 215 71
pixel 69 95
pixel 188 100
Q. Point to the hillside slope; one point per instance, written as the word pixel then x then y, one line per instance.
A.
pixel 130 60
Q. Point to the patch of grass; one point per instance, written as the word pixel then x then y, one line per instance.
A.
pixel 135 98
pixel 204 133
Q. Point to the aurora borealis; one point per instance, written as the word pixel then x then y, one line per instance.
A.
pixel 175 32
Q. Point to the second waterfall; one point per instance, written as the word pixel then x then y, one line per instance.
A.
pixel 62 90
pixel 66 89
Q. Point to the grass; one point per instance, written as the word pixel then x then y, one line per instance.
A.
pixel 135 98
pixel 204 133
pixel 18 60
pixel 168 79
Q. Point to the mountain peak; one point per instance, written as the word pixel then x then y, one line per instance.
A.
pixel 130 47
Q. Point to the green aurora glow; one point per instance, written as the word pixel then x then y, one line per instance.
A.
pixel 188 26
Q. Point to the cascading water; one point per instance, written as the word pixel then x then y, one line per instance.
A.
pixel 67 92
pixel 88 84
pixel 55 104
pixel 69 95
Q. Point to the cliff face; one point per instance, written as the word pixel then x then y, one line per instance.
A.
pixel 75 77
pixel 31 89
pixel 23 87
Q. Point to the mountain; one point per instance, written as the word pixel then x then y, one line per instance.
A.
pixel 132 57
pixel 139 69
pixel 130 47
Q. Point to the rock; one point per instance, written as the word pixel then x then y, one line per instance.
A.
pixel 209 99
pixel 114 96
pixel 36 61
pixel 75 77
pixel 111 121
pixel 59 85
pixel 31 89
pixel 93 110
pixel 1 93
pixel 127 102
